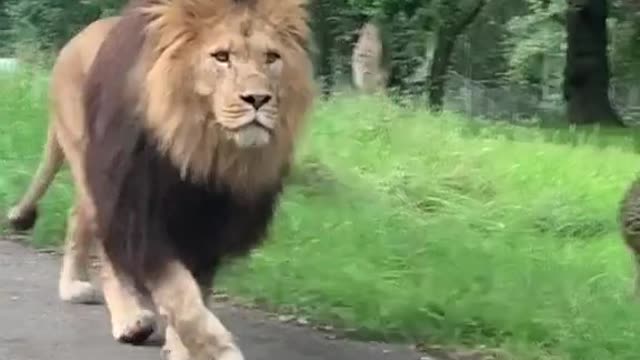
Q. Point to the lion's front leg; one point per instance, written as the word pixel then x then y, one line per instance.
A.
pixel 74 285
pixel 132 321
pixel 178 297
pixel 173 348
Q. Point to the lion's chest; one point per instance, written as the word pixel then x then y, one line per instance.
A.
pixel 160 216
pixel 204 225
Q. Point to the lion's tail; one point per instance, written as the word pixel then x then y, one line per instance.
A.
pixel 23 216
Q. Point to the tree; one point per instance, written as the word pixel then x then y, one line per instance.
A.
pixel 537 43
pixel 456 20
pixel 323 40
pixel 586 72
pixel 4 29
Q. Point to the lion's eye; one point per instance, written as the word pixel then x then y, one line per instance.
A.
pixel 272 56
pixel 222 56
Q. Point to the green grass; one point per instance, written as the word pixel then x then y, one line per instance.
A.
pixel 407 226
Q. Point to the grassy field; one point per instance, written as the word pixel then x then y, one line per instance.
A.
pixel 406 226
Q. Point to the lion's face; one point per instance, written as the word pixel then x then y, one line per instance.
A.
pixel 226 85
pixel 238 76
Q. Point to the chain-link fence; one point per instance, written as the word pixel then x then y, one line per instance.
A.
pixel 519 102
pixel 625 96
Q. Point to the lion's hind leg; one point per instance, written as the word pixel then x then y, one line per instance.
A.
pixel 178 297
pixel 74 285
pixel 23 215
pixel 131 322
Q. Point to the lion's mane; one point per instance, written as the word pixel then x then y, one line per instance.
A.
pixel 164 183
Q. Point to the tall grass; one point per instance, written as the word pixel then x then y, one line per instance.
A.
pixel 404 225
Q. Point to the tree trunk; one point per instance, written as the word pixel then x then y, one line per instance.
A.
pixel 445 43
pixel 586 73
pixel 324 42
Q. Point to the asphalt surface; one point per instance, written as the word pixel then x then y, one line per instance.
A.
pixel 35 325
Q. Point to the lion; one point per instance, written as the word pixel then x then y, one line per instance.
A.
pixel 629 220
pixel 366 62
pixel 190 111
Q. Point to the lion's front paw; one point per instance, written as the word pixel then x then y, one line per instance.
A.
pixel 230 353
pixel 174 354
pixel 173 348
pixel 135 330
pixel 80 292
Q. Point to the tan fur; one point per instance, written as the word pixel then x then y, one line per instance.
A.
pixel 366 62
pixel 66 125
pixel 201 123
pixel 629 218
pixel 191 327
pixel 66 141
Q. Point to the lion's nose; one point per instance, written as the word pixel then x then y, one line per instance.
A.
pixel 257 100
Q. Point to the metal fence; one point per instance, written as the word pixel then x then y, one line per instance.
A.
pixel 518 102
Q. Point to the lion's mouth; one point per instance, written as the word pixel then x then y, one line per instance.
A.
pixel 248 122
pixel 251 134
pixel 255 122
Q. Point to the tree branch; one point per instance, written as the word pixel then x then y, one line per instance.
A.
pixel 465 21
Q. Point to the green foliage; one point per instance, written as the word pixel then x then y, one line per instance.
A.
pixel 624 32
pixel 45 25
pixel 48 23
pixel 4 30
pixel 405 42
pixel 536 43
pixel 537 40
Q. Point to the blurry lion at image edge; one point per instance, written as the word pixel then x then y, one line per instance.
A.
pixel 629 219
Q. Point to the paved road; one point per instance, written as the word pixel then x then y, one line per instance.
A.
pixel 35 325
